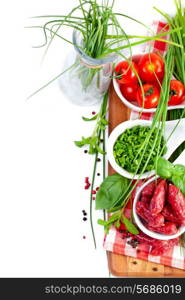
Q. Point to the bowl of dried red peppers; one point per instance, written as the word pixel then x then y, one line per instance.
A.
pixel 159 209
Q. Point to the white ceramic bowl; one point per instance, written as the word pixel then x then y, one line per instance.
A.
pixel 138 222
pixel 134 106
pixel 110 145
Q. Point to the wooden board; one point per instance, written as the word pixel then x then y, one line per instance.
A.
pixel 119 265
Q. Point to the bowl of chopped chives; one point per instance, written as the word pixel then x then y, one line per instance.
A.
pixel 133 149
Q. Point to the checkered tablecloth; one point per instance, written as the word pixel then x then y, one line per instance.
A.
pixel 113 241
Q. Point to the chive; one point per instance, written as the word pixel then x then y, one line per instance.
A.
pixel 179 61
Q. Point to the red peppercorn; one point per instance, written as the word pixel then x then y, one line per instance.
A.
pixel 84 237
pixel 93 198
pixel 97 188
pixel 93 192
pixel 93 113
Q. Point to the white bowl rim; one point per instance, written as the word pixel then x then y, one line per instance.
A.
pixel 138 222
pixel 111 141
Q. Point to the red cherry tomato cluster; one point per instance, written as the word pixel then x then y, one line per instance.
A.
pixel 162 207
pixel 150 69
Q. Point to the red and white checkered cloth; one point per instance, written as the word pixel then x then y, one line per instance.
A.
pixel 113 241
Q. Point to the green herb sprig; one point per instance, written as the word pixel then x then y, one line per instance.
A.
pixel 94 141
pixel 100 29
pixel 177 21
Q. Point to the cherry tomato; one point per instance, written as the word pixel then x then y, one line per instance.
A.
pixel 177 91
pixel 151 96
pixel 136 58
pixel 151 67
pixel 129 91
pixel 127 72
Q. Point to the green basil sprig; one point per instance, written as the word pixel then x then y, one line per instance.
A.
pixel 111 191
pixel 174 173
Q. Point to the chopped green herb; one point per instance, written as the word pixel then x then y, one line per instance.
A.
pixel 126 149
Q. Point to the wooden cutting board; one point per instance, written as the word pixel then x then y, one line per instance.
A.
pixel 119 265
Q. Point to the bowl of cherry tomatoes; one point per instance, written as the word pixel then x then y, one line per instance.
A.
pixel 138 83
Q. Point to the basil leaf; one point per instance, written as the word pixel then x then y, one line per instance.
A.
pixel 179 181
pixel 164 168
pixel 130 226
pixel 113 209
pixel 112 188
pixel 90 119
pixel 179 169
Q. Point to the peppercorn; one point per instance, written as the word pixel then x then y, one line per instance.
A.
pixel 134 243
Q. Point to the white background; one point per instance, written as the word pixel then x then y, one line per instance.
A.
pixel 41 171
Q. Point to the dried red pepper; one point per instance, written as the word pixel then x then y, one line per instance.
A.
pixel 145 199
pixel 177 201
pixel 148 191
pixel 157 221
pixel 169 215
pixel 144 212
pixel 158 199
pixel 143 238
pixel 160 247
pixel 169 228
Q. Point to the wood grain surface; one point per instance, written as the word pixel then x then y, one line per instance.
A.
pixel 119 265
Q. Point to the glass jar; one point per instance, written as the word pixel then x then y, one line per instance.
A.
pixel 89 78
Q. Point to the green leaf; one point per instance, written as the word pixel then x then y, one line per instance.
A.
pixel 179 181
pixel 164 168
pixel 79 144
pixel 130 226
pixel 102 222
pixel 179 169
pixel 98 148
pixel 117 224
pixel 83 142
pixel 90 119
pixel 113 209
pixel 104 122
pixel 112 188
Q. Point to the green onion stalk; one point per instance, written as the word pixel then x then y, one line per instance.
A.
pixel 157 129
pixel 178 21
pixel 100 30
